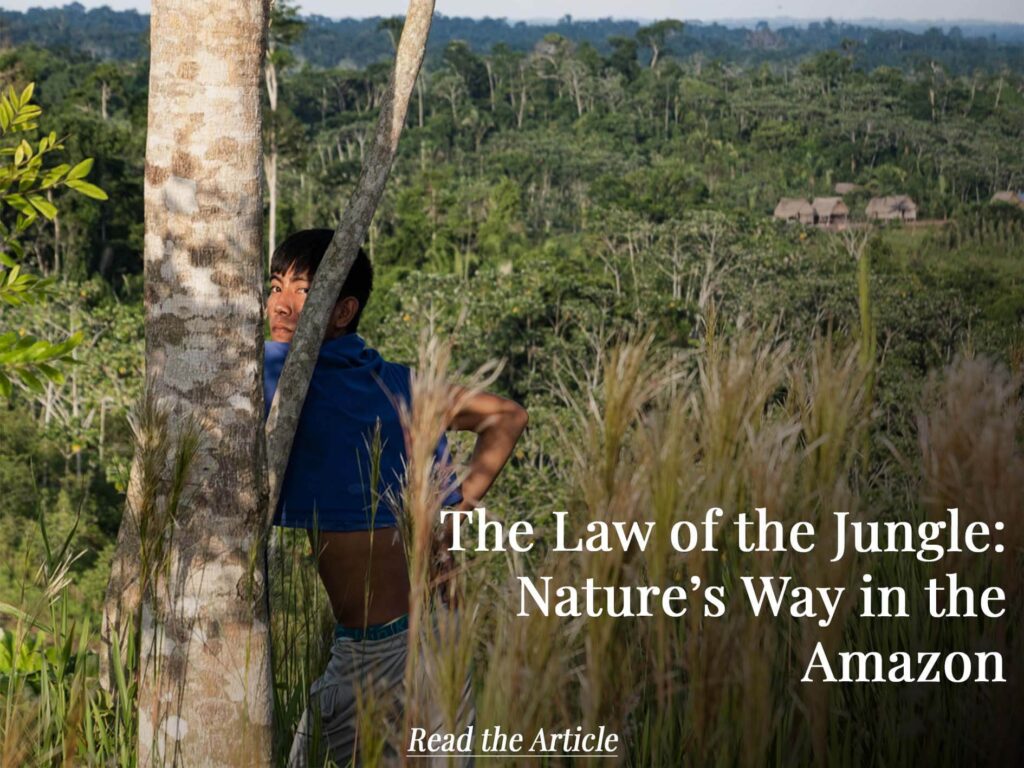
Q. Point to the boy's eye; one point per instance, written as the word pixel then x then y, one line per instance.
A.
pixel 275 289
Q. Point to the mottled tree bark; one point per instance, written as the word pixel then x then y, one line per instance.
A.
pixel 351 231
pixel 204 679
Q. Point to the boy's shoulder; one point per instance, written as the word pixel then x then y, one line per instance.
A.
pixel 347 369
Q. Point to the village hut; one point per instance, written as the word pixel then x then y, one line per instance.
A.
pixel 1013 198
pixel 830 212
pixel 845 187
pixel 794 209
pixel 892 208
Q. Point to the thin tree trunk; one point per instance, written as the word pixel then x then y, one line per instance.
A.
pixel 205 694
pixel 270 161
pixel 419 97
pixel 522 103
pixel 305 347
pixel 270 168
pixel 490 82
pixel 56 238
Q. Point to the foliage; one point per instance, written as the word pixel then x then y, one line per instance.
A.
pixel 24 178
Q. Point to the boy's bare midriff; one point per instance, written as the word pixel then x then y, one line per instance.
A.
pixel 365 575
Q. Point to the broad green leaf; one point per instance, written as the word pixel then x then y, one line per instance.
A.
pixel 54 174
pixel 87 189
pixel 28 179
pixel 29 380
pixel 70 343
pixel 26 114
pixel 20 204
pixel 26 94
pixel 25 343
pixel 81 170
pixel 44 206
pixel 41 350
pixel 51 373
pixel 5 385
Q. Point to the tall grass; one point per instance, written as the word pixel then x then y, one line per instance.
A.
pixel 751 420
pixel 747 422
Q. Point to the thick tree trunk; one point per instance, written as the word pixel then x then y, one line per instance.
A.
pixel 204 679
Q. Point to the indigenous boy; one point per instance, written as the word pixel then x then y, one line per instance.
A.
pixel 326 485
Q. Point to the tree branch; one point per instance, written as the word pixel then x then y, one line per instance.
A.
pixel 341 253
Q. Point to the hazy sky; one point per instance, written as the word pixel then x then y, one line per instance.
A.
pixel 932 10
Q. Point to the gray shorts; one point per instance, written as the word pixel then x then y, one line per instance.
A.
pixel 330 725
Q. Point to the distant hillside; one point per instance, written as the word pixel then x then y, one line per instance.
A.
pixel 101 32
pixel 104 33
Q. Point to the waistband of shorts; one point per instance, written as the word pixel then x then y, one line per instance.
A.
pixel 374 631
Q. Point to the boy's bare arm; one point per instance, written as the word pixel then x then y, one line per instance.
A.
pixel 498 423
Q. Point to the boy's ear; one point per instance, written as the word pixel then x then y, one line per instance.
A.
pixel 344 311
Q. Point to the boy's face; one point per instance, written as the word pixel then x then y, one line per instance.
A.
pixel 288 294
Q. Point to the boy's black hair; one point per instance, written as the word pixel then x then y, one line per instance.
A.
pixel 304 250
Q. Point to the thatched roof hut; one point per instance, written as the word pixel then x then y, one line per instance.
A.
pixel 1013 198
pixel 846 187
pixel 892 208
pixel 794 209
pixel 830 211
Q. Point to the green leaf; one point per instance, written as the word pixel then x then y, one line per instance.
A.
pixel 53 175
pixel 51 373
pixel 69 343
pixel 5 385
pixel 81 170
pixel 29 177
pixel 41 350
pixel 22 206
pixel 26 114
pixel 26 95
pixel 44 206
pixel 29 380
pixel 87 189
